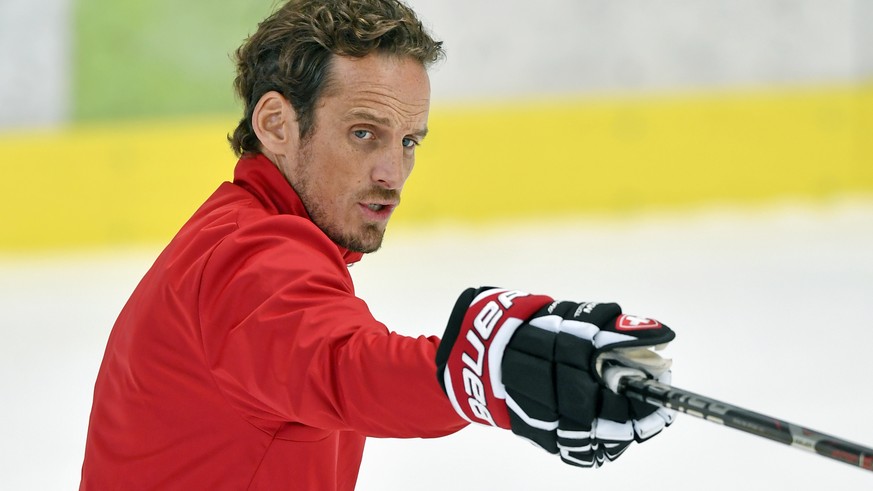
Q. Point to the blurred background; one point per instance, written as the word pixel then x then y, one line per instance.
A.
pixel 708 163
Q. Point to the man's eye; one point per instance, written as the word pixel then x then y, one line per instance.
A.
pixel 363 134
pixel 409 143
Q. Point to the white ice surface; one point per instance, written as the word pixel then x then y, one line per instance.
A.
pixel 773 310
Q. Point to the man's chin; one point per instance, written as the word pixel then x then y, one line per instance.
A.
pixel 366 241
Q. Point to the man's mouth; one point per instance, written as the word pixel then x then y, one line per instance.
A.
pixel 379 210
pixel 379 204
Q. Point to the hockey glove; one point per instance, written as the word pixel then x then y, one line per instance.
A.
pixel 544 369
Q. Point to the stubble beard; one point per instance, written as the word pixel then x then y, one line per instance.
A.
pixel 365 240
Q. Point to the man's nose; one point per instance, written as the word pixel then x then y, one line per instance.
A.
pixel 392 168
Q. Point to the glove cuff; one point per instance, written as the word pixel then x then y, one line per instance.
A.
pixel 470 355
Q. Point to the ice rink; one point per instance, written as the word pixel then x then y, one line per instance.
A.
pixel 773 308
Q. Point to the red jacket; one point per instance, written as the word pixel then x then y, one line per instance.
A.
pixel 244 360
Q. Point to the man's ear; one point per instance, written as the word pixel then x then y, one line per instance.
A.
pixel 275 124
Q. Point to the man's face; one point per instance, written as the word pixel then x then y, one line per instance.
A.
pixel 350 169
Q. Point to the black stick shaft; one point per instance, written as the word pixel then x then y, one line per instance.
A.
pixel 774 429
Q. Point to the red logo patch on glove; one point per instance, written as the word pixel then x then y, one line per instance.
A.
pixel 472 377
pixel 633 323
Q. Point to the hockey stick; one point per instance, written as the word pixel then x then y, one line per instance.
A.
pixel 829 446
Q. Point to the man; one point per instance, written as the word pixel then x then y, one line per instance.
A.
pixel 243 359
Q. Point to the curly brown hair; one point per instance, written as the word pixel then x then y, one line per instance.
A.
pixel 292 49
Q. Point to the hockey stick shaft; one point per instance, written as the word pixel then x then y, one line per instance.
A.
pixel 774 429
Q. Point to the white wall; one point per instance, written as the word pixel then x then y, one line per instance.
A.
pixel 517 48
pixel 864 37
pixel 35 61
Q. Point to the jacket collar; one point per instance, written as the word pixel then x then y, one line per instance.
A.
pixel 262 178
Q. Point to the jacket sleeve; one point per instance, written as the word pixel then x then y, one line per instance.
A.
pixel 288 341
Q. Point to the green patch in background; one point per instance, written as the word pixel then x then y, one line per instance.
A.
pixel 158 57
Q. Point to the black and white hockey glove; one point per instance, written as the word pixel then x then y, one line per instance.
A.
pixel 544 370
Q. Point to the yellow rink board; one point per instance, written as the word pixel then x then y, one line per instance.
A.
pixel 129 183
